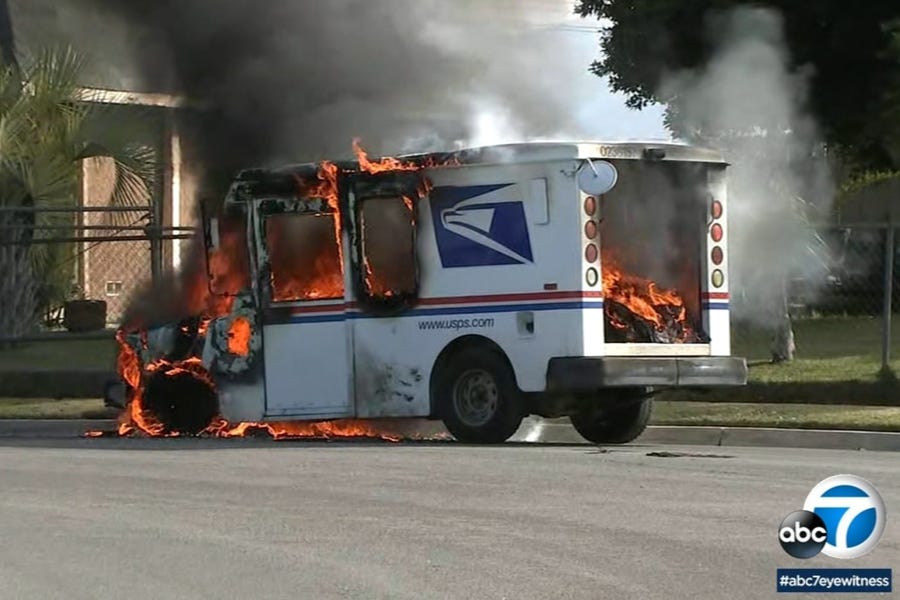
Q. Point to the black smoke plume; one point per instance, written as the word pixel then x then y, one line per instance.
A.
pixel 295 80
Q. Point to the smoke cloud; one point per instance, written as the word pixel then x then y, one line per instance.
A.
pixel 748 102
pixel 296 80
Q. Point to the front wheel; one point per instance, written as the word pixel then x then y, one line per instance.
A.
pixel 477 397
pixel 614 425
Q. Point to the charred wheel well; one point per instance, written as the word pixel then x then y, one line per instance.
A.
pixel 452 349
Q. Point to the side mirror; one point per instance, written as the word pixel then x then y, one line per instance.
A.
pixel 597 178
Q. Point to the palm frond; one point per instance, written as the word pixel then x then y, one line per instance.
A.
pixel 52 76
pixel 47 128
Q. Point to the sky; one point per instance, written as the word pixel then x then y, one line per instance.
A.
pixel 603 113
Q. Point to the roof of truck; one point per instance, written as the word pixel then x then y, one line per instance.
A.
pixel 525 152
pixel 546 151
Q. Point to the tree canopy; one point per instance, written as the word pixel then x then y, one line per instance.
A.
pixel 852 54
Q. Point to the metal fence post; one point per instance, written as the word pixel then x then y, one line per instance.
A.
pixel 888 298
pixel 154 232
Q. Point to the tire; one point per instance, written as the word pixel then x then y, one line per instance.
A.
pixel 616 425
pixel 477 397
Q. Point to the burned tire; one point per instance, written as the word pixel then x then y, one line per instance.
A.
pixel 477 397
pixel 615 425
pixel 181 401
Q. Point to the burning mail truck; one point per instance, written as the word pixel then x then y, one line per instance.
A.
pixel 478 287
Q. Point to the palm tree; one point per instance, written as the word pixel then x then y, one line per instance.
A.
pixel 48 125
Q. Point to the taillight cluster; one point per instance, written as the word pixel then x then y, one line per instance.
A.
pixel 716 233
pixel 591 249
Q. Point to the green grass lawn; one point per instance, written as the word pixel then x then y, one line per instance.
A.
pixel 828 349
pixel 40 408
pixel 800 416
pixel 60 354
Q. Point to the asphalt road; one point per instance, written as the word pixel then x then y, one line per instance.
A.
pixel 172 519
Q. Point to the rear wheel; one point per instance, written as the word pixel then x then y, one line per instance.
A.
pixel 477 397
pixel 617 424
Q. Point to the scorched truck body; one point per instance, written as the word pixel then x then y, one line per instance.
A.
pixel 471 288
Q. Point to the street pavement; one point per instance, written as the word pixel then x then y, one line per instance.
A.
pixel 170 519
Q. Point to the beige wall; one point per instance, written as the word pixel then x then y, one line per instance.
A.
pixel 114 271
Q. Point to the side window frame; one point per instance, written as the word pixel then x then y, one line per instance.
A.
pixel 266 274
pixel 210 219
pixel 397 302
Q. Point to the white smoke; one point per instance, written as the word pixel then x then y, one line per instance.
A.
pixel 748 102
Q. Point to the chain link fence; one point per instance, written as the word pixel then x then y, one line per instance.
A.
pixel 96 263
pixel 113 272
pixel 842 331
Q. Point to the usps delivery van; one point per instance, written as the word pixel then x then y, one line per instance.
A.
pixel 554 279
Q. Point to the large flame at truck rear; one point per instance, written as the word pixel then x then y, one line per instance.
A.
pixel 642 312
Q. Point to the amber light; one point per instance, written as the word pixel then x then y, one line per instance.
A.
pixel 716 232
pixel 590 230
pixel 590 206
pixel 717 255
pixel 591 253
pixel 716 209
pixel 718 278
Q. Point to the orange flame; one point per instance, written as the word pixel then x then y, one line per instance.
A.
pixel 212 293
pixel 128 365
pixel 228 270
pixel 376 287
pixel 382 166
pixel 296 279
pixel 643 298
pixel 239 337
pixel 325 429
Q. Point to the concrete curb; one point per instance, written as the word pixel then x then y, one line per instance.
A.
pixel 535 430
pixel 827 439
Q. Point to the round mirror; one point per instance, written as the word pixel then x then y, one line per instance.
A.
pixel 597 177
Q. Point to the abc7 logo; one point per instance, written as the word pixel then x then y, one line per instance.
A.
pixel 843 517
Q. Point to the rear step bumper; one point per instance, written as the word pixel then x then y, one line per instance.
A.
pixel 590 373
